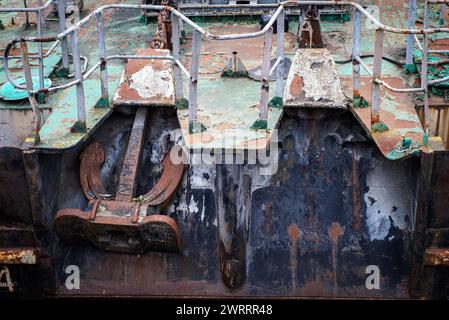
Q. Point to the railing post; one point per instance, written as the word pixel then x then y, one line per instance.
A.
pixel 261 123
pixel 410 37
pixel 39 18
pixel 356 53
pixel 302 17
pixel 280 54
pixel 64 45
pixel 104 100
pixel 29 85
pixel 377 73
pixel 80 125
pixel 176 43
pixel 424 76
pixel 194 124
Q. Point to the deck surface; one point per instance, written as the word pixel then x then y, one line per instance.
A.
pixel 229 106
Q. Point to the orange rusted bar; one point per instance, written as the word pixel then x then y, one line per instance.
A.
pixel 436 257
pixel 18 255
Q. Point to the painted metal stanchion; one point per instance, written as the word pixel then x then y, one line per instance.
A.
pixel 80 124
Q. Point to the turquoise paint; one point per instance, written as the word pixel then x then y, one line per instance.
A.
pixel 404 131
pixel 10 93
pixel 56 132
pixel 390 105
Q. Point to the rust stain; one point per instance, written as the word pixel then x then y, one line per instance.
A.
pixel 295 235
pixel 225 125
pixel 436 257
pixel 92 160
pixel 127 93
pixel 296 86
pixel 334 231
pixel 313 289
pixel 18 256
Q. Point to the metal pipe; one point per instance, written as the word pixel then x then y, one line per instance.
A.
pixel 437 81
pixel 265 83
pixel 193 84
pixel 276 66
pixel 417 42
pixel 234 61
pixel 29 88
pixel 40 19
pixel 357 25
pixel 428 51
pixel 102 56
pixel 367 69
pixel 39 49
pixel 52 48
pixel 438 1
pixel 84 68
pixel 6 66
pixel 424 76
pixel 62 27
pixel 400 90
pixel 251 34
pixel 176 44
pixel 183 69
pixel 438 51
pixel 280 54
pixel 34 56
pixel 35 9
pixel 410 24
pixel 377 73
pixel 87 73
pixel 80 125
pixel 302 17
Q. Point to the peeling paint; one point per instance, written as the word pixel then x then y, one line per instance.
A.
pixel 313 81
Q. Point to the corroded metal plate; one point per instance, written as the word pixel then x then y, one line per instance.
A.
pixel 146 82
pixel 397 111
pixel 436 257
pixel 313 81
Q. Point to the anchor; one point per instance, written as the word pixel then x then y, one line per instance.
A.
pixel 123 223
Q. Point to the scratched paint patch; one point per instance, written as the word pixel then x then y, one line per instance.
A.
pixel 142 82
pixel 146 82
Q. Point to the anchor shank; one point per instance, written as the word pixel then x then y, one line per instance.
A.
pixel 128 176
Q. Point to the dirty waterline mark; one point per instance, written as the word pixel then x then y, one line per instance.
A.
pixel 246 149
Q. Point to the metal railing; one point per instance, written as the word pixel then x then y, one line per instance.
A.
pixel 40 23
pixel 198 32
